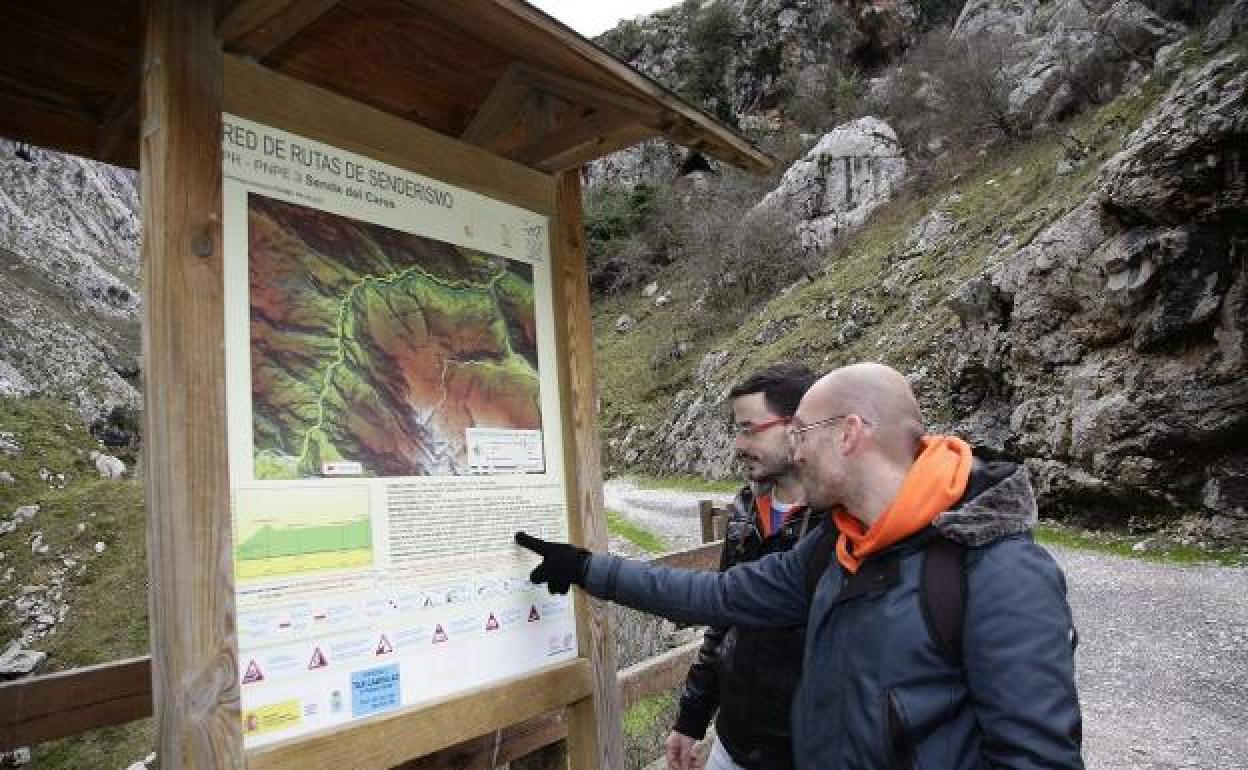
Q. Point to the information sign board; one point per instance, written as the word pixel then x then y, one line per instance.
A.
pixel 393 417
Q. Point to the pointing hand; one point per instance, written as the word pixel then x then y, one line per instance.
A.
pixel 562 563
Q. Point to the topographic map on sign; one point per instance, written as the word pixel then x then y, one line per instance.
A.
pixel 376 352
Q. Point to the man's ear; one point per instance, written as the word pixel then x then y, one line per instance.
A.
pixel 853 432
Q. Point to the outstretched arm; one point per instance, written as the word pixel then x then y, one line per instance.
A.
pixel 770 592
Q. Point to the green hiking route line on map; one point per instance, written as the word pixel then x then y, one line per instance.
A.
pixel 342 334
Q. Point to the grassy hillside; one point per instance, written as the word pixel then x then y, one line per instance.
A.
pixel 999 203
pixel 103 587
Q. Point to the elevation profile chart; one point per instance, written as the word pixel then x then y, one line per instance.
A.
pixel 301 531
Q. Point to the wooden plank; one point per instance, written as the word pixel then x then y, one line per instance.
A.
pixel 259 27
pixel 384 741
pixel 657 674
pixel 260 94
pixel 577 131
pixel 118 132
pixel 194 673
pixel 588 94
pixel 703 557
pixel 73 702
pixel 574 157
pixel 497 114
pixel 594 725
pixel 487 752
pixel 48 125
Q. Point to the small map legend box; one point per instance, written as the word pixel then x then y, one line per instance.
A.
pixel 498 450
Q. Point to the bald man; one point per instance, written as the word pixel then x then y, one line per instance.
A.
pixel 938 634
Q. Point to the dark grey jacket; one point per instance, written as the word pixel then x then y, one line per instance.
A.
pixel 877 691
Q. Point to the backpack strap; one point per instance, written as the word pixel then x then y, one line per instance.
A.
pixel 820 558
pixel 942 595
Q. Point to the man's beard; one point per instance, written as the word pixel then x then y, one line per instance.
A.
pixel 759 471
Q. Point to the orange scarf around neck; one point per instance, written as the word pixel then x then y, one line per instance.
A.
pixel 935 482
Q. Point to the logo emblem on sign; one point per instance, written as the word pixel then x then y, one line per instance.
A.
pixel 384 647
pixel 439 634
pixel 534 615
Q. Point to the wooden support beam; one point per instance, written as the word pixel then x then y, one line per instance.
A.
pixel 706 514
pixel 580 131
pixel 590 95
pixel 257 28
pixel 72 702
pixel 118 129
pixel 387 740
pixel 594 739
pixel 52 125
pixel 497 114
pixel 573 158
pixel 194 672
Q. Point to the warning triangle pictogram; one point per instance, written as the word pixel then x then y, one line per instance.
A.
pixel 534 615
pixel 492 623
pixel 253 673
pixel 439 635
pixel 318 660
pixel 384 647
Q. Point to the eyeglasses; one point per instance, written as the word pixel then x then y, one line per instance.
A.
pixel 758 427
pixel 795 432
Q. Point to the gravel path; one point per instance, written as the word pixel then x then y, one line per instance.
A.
pixel 670 514
pixel 1163 651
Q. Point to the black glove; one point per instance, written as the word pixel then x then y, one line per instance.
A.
pixel 562 563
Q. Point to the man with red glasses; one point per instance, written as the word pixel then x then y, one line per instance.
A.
pixel 928 534
pixel 750 674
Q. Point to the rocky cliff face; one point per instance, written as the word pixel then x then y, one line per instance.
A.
pixel 743 58
pixel 758 63
pixel 69 239
pixel 1102 336
pixel 1112 350
pixel 1068 54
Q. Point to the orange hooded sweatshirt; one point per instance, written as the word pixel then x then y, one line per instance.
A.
pixel 936 481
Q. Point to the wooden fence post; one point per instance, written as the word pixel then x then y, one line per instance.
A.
pixel 706 513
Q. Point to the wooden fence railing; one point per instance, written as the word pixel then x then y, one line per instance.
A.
pixel 72 702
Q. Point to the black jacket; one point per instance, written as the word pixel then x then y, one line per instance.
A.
pixel 749 674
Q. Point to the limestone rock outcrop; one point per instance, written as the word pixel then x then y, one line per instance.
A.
pixel 1114 347
pixel 848 174
pixel 69 240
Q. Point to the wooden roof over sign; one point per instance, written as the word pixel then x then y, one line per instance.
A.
pixel 496 73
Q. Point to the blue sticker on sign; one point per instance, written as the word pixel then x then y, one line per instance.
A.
pixel 373 690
